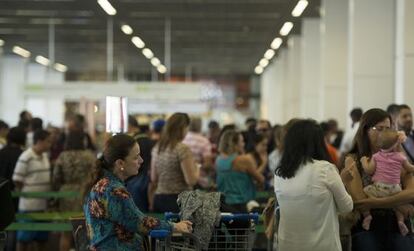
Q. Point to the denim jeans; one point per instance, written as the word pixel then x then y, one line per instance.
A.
pixel 375 241
pixel 383 235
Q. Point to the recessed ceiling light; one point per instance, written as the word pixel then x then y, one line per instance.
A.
pixel 42 60
pixel 299 8
pixel 286 28
pixel 107 7
pixel 61 67
pixel 147 53
pixel 20 51
pixel 155 62
pixel 258 70
pixel 138 42
pixel 263 62
pixel 161 69
pixel 127 29
pixel 276 43
pixel 269 54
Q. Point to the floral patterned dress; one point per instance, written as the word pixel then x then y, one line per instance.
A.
pixel 112 219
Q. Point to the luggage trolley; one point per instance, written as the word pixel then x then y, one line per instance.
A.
pixel 167 241
pixel 162 239
pixel 235 232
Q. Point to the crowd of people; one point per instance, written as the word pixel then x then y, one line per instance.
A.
pixel 316 170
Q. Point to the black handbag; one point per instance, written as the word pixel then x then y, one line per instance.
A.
pixel 7 211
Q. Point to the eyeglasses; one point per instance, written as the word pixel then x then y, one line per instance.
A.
pixel 380 128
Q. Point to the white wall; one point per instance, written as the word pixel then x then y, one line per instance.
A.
pixel 52 109
pixel 334 56
pixel 371 53
pixel 293 78
pixel 404 59
pixel 311 92
pixel 12 77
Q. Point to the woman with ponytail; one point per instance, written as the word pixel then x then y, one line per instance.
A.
pixel 173 168
pixel 112 219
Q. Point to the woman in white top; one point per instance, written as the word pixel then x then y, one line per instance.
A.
pixel 310 192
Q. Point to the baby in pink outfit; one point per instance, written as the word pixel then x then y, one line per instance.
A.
pixel 385 166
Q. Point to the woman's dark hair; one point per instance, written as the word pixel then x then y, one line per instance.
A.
pixel 132 121
pixel 361 144
pixel 24 115
pixel 3 125
pixel 40 135
pixel 173 131
pixel 117 147
pixel 257 139
pixel 36 124
pixel 75 140
pixel 303 143
pixel 25 124
pixel 325 127
pixel 16 135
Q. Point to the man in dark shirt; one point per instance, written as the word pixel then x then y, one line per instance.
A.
pixel 16 140
pixel 138 185
pixel 405 123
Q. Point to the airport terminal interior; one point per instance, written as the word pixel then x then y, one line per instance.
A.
pixel 157 125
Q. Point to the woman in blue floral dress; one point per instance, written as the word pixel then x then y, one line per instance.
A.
pixel 112 219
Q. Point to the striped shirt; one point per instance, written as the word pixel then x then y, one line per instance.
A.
pixel 33 171
pixel 199 145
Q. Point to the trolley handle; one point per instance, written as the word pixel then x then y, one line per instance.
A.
pixel 171 216
pixel 243 217
pixel 159 234
pixel 224 217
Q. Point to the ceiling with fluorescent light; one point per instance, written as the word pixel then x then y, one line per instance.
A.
pixel 208 37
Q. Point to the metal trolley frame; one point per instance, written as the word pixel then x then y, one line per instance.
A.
pixel 235 232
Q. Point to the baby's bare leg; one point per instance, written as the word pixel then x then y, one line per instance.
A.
pixel 366 222
pixel 401 225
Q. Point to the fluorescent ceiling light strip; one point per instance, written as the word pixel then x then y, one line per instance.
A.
pixel 155 62
pixel 148 53
pixel 1 42
pixel 61 67
pixel 276 43
pixel 127 29
pixel 138 42
pixel 263 62
pixel 299 8
pixel 22 52
pixel 258 70
pixel 269 54
pixel 286 28
pixel 161 69
pixel 107 7
pixel 42 60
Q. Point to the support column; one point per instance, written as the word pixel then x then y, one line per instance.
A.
pixel 404 60
pixel 311 92
pixel 271 93
pixel 12 78
pixel 167 48
pixel 334 56
pixel 371 53
pixel 293 80
pixel 110 49
pixel 267 93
